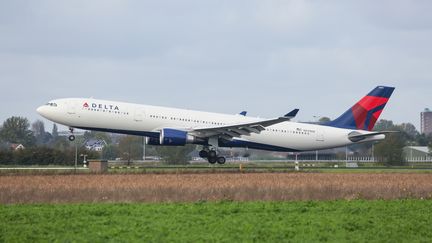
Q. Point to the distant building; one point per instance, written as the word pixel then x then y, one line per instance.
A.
pixel 426 122
pixel 95 144
pixel 416 152
pixel 16 146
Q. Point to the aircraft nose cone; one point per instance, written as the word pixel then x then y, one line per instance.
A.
pixel 41 110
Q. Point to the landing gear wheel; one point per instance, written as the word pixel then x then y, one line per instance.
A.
pixel 212 160
pixel 71 137
pixel 221 160
pixel 203 154
pixel 212 154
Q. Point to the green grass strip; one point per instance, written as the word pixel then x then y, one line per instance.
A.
pixel 334 221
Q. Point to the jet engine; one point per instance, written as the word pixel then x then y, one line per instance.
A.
pixel 174 137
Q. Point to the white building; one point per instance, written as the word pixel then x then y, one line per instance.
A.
pixel 95 144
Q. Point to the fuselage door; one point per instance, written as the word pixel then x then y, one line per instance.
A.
pixel 320 135
pixel 71 107
pixel 139 115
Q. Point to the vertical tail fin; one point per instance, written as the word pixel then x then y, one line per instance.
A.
pixel 364 114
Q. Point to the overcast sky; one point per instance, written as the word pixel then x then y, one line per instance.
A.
pixel 266 57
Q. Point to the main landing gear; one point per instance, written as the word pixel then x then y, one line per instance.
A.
pixel 212 156
pixel 71 137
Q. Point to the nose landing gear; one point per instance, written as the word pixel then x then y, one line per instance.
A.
pixel 212 156
pixel 71 137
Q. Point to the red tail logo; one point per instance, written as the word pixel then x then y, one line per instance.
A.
pixel 367 111
pixel 364 114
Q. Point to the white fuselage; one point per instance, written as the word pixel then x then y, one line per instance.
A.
pixel 111 116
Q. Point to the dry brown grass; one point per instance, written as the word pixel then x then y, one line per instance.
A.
pixel 195 187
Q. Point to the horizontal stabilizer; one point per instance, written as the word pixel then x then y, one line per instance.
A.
pixel 356 136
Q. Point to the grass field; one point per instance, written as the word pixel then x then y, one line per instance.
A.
pixel 335 221
pixel 217 207
pixel 212 187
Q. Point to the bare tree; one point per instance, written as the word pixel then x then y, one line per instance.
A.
pixel 38 128
pixel 54 131
pixel 42 137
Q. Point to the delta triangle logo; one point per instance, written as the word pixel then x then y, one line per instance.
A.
pixel 100 107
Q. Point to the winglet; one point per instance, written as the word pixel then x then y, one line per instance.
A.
pixel 292 114
pixel 243 113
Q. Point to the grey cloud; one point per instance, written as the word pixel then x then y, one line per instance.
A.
pixel 225 56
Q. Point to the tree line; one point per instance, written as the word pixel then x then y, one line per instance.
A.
pixel 390 150
pixel 44 147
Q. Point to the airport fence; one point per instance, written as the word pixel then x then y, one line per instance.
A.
pixel 419 159
pixel 311 159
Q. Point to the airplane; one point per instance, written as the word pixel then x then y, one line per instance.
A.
pixel 177 127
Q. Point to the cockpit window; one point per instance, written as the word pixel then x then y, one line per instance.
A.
pixel 51 104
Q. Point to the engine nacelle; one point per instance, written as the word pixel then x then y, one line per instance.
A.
pixel 152 141
pixel 174 137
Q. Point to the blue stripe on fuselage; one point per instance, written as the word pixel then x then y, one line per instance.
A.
pixel 128 132
pixel 247 144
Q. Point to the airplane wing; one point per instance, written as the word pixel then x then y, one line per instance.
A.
pixel 356 136
pixel 228 132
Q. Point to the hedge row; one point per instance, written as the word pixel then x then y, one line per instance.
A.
pixel 41 156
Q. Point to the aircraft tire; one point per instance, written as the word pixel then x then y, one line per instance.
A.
pixel 212 153
pixel 71 138
pixel 221 160
pixel 203 154
pixel 212 160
